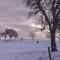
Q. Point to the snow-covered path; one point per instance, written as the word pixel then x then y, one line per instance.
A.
pixel 24 50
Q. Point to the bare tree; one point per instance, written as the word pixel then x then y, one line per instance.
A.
pixel 32 35
pixel 11 33
pixel 58 32
pixel 50 9
pixel 3 34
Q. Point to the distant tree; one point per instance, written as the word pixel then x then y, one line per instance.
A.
pixel 0 35
pixel 32 35
pixel 3 34
pixel 11 33
pixel 58 33
pixel 48 35
pixel 50 12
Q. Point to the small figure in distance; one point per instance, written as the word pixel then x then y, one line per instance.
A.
pixel 21 39
pixel 37 41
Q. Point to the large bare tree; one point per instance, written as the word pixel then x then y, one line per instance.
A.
pixel 50 11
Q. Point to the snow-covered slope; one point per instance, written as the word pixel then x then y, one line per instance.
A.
pixel 25 50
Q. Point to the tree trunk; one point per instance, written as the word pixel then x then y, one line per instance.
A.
pixel 32 38
pixel 5 37
pixel 10 37
pixel 53 43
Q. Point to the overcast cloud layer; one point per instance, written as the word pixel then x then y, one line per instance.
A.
pixel 13 14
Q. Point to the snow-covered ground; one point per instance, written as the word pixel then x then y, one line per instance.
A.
pixel 26 50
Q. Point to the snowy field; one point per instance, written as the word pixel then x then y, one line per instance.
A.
pixel 27 50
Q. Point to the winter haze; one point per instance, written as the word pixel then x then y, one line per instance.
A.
pixel 14 14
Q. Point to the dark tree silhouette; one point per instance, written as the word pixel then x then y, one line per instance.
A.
pixel 11 33
pixel 3 34
pixel 50 9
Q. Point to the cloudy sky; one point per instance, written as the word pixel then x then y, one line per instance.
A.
pixel 14 14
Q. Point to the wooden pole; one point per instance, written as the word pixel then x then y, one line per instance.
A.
pixel 49 53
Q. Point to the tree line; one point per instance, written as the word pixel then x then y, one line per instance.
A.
pixel 9 32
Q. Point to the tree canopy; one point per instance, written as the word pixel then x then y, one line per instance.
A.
pixel 49 10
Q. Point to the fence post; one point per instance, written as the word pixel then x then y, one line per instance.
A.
pixel 49 53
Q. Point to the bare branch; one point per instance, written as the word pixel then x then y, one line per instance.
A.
pixel 33 13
